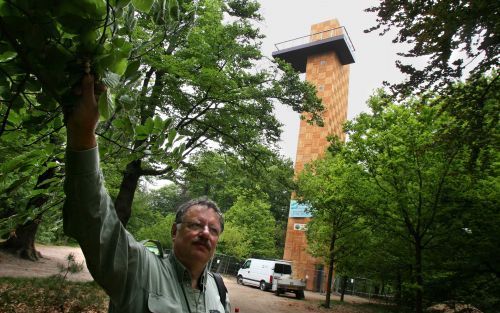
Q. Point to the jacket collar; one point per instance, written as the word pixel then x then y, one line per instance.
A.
pixel 183 275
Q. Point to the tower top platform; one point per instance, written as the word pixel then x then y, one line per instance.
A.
pixel 295 51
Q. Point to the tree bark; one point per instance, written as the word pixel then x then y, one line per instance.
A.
pixel 123 202
pixel 418 276
pixel 343 288
pixel 21 242
pixel 133 170
pixel 330 272
pixel 399 289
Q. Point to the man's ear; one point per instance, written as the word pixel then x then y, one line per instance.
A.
pixel 173 230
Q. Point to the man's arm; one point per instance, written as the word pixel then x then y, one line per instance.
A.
pixel 113 257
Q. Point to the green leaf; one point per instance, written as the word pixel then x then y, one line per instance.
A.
pixel 120 4
pixel 149 125
pixel 159 12
pixel 36 192
pixel 50 180
pixel 120 66
pixel 2 2
pixel 118 41
pixel 127 101
pixel 106 104
pixel 110 79
pixel 118 123
pixel 52 164
pixel 49 148
pixel 171 136
pixel 105 61
pixel 173 9
pixel 7 56
pixel 130 21
pixel 58 122
pixel 14 118
pixel 160 140
pixel 89 39
pixel 132 70
pixel 143 5
pixel 17 161
pixel 168 122
pixel 158 123
pixel 16 184
pixel 142 131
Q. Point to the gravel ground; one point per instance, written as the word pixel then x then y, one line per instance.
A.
pixel 252 300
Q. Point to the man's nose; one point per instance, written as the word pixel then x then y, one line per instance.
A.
pixel 205 230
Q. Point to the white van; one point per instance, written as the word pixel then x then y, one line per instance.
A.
pixel 258 272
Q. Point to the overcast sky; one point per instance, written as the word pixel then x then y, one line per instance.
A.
pixel 374 55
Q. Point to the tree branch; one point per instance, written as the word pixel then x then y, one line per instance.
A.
pixel 11 102
pixel 29 68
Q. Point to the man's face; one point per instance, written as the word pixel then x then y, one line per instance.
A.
pixel 196 238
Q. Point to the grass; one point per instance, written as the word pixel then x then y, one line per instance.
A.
pixel 52 294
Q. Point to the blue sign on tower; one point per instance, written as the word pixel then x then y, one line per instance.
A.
pixel 298 209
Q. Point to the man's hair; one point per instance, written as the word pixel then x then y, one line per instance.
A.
pixel 202 201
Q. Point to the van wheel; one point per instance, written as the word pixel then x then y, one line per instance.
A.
pixel 239 280
pixel 263 286
pixel 300 294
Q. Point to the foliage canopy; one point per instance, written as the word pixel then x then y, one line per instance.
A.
pixel 456 36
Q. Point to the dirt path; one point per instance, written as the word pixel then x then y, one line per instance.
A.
pixel 246 299
pixel 11 266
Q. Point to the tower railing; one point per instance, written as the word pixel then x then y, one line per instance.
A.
pixel 329 33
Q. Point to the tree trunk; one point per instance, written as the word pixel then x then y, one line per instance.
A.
pixel 133 171
pixel 123 202
pixel 21 242
pixel 399 289
pixel 343 288
pixel 418 276
pixel 330 272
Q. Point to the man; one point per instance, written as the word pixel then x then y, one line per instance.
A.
pixel 135 279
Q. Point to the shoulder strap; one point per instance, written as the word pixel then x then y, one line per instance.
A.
pixel 158 246
pixel 221 288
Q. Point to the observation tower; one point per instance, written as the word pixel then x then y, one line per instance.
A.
pixel 324 56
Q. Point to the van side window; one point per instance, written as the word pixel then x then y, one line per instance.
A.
pixel 247 264
pixel 282 268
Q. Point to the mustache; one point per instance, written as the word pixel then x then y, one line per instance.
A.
pixel 203 241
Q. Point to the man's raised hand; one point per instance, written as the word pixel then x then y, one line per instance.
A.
pixel 83 118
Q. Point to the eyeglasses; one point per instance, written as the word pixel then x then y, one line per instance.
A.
pixel 198 227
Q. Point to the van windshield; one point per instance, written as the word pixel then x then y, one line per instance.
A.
pixel 282 268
